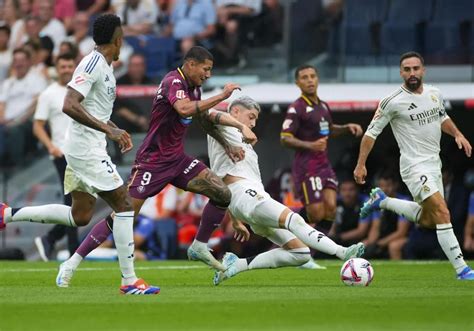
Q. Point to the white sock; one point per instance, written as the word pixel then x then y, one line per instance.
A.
pixel 74 260
pixel 199 244
pixel 450 245
pixel 50 214
pixel 408 209
pixel 312 237
pixel 123 237
pixel 280 257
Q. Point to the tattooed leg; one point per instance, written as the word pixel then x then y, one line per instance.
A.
pixel 212 186
pixel 209 184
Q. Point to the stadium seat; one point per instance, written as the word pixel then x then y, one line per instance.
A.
pixel 402 31
pixel 360 25
pixel 453 11
pixel 358 12
pixel 446 36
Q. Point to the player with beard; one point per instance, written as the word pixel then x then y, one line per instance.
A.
pixel 417 117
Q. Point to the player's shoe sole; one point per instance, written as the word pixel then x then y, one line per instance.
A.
pixel 356 250
pixel 466 274
pixel 197 254
pixel 228 262
pixel 376 196
pixel 64 277
pixel 140 287
pixel 2 216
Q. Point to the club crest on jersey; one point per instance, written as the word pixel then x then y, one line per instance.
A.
pixel 425 188
pixel 141 189
pixel 176 81
pixel 434 98
pixel 180 94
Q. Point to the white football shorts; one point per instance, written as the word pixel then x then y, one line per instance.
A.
pixel 252 205
pixel 91 176
pixel 423 181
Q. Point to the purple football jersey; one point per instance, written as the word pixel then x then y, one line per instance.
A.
pixel 164 141
pixel 308 122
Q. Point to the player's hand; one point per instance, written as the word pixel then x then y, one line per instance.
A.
pixel 355 129
pixel 241 233
pixel 360 172
pixel 55 152
pixel 463 143
pixel 248 136
pixel 229 89
pixel 122 137
pixel 319 145
pixel 235 153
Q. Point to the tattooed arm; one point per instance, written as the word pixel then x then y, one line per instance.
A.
pixel 209 126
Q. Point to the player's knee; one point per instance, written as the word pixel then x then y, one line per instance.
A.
pixel 81 218
pixel 300 256
pixel 223 198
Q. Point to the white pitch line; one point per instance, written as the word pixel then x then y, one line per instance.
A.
pixel 102 269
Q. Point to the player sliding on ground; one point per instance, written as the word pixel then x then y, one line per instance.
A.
pixel 267 217
pixel 417 116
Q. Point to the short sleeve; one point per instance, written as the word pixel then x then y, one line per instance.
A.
pixel 211 15
pixel 291 123
pixel 42 110
pixel 176 90
pixel 443 116
pixel 381 118
pixel 85 75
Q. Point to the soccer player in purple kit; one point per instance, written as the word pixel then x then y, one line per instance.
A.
pixel 161 159
pixel 307 126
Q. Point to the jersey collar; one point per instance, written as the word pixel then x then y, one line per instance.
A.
pixel 307 100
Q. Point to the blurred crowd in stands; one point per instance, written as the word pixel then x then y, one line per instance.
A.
pixel 34 32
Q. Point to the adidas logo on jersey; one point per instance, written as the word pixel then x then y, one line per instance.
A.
pixel 107 78
pixel 412 106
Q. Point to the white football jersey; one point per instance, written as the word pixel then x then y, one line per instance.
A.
pixel 416 124
pixel 95 80
pixel 222 165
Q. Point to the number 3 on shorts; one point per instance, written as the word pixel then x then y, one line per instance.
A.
pixel 316 183
pixel 146 178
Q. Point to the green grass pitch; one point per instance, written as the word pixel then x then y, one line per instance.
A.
pixel 403 296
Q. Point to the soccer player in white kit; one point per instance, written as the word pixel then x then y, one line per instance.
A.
pixel 417 116
pixel 90 172
pixel 252 205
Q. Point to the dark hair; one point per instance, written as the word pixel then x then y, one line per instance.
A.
pixel 24 51
pixel 303 67
pixel 5 28
pixel 104 28
pixel 411 54
pixel 73 49
pixel 199 54
pixel 66 57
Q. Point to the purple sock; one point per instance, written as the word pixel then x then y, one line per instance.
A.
pixel 94 238
pixel 211 218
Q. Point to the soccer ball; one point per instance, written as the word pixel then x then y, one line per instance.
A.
pixel 357 272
